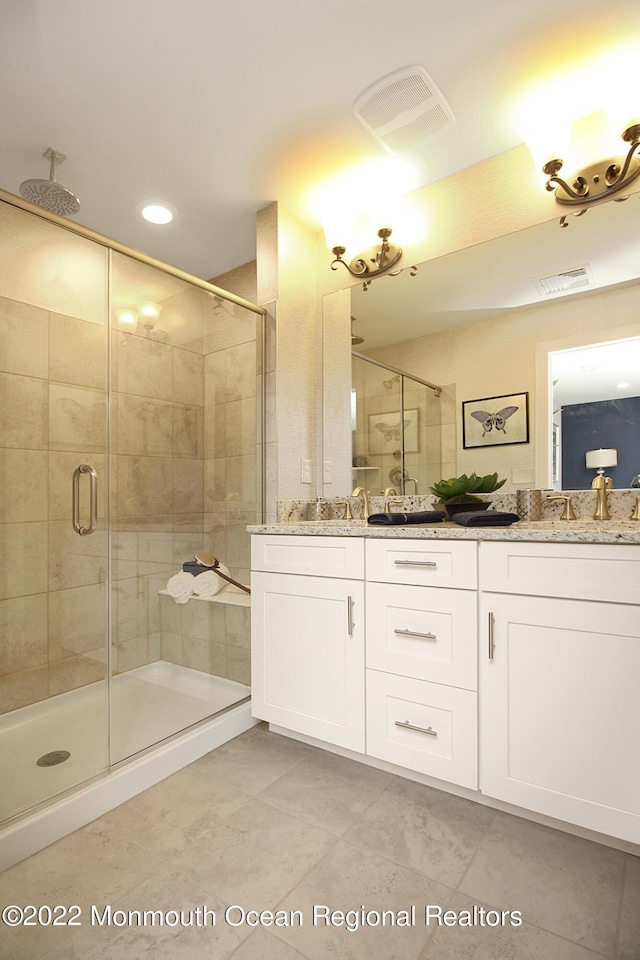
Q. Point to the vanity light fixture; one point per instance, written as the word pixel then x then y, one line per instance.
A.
pixel 374 262
pixel 150 310
pixel 127 318
pixel 598 181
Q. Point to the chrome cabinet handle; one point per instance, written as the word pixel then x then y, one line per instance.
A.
pixel 414 633
pixel 350 623
pixel 93 500
pixel 410 726
pixel 415 563
pixel 492 644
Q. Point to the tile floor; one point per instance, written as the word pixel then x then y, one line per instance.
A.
pixel 265 822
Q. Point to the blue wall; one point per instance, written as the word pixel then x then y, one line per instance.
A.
pixel 607 423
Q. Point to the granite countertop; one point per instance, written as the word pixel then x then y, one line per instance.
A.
pixel 541 531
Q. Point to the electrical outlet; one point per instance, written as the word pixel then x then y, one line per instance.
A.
pixel 328 472
pixel 305 471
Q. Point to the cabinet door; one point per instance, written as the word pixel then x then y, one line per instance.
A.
pixel 560 710
pixel 308 656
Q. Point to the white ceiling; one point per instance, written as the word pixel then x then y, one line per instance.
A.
pixel 222 108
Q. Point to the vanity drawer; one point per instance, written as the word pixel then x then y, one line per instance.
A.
pixel 423 632
pixel 580 571
pixel 438 563
pixel 444 746
pixel 310 556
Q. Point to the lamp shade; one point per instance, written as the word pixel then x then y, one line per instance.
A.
pixel 603 457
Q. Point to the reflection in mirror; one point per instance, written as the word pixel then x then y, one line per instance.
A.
pixel 475 321
pixel 396 430
pixel 596 405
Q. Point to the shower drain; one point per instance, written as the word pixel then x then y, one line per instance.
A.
pixel 53 758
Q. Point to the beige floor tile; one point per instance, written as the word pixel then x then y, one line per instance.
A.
pixel 564 885
pixel 629 933
pixel 175 813
pixel 262 945
pixel 254 760
pixel 350 879
pixel 195 936
pixel 255 856
pixel 328 791
pixel 424 829
pixel 484 942
pixel 93 865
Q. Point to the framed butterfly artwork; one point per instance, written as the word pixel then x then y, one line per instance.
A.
pixel 386 432
pixel 495 421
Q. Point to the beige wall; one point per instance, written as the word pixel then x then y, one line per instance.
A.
pixel 287 288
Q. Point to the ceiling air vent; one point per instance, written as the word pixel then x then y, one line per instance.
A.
pixel 403 110
pixel 565 282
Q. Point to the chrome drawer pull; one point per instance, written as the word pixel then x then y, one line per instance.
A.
pixel 409 726
pixel 350 623
pixel 414 633
pixel 415 563
pixel 492 643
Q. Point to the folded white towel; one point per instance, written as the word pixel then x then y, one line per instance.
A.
pixel 181 586
pixel 207 584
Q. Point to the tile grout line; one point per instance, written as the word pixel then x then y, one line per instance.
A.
pixel 616 942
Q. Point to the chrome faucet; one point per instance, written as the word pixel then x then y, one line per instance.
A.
pixel 601 485
pixel 361 492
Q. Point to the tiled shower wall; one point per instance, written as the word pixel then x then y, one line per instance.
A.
pixel 157 473
pixel 52 582
pixel 52 418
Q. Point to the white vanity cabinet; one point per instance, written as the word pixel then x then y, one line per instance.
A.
pixel 308 636
pixel 554 628
pixel 560 681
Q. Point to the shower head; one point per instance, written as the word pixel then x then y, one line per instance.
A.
pixel 49 194
pixel 388 384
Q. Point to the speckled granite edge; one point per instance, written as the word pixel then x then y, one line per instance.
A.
pixel 562 531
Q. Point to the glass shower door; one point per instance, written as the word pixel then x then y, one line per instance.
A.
pixel 53 510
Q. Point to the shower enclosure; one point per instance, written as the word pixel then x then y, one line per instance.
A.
pixel 130 436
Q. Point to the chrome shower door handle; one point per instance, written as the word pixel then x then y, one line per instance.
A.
pixel 93 500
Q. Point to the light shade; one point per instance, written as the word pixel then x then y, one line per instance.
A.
pixel 603 457
pixel 127 318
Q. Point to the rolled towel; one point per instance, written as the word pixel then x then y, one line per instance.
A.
pixel 485 518
pixel 207 584
pixel 180 586
pixel 400 519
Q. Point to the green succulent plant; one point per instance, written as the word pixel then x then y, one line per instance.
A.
pixel 465 489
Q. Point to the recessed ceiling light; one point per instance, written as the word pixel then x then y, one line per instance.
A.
pixel 156 212
pixel 623 385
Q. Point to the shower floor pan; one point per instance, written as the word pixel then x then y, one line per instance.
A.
pixel 148 705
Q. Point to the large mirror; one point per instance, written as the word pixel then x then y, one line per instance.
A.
pixel 546 320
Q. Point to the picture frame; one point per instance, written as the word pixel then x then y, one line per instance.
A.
pixel 495 421
pixel 385 434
